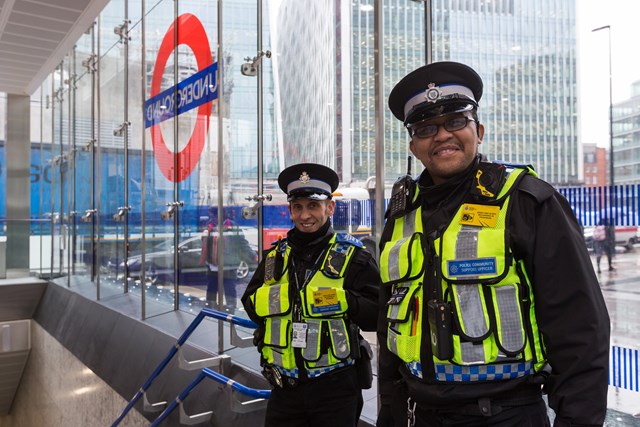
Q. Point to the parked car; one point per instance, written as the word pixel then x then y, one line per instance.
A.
pixel 241 259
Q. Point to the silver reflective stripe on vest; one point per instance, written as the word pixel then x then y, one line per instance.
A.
pixel 471 353
pixel 276 325
pixel 312 350
pixel 392 341
pixel 511 334
pixel 470 305
pixel 394 260
pixel 274 300
pixel 445 372
pixel 339 338
pixel 409 226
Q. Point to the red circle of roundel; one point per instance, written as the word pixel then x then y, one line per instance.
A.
pixel 191 33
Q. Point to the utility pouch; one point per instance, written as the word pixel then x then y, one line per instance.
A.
pixel 363 364
pixel 439 316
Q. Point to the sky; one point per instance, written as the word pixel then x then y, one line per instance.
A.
pixel 623 16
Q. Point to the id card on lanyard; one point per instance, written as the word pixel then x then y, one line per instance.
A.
pixel 299 335
pixel 299 328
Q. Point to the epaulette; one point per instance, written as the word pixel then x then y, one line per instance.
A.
pixel 336 262
pixel 537 188
pixel 348 238
pixel 530 169
pixel 280 243
pixel 274 261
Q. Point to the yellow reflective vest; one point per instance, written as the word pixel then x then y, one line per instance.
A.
pixel 310 321
pixel 481 297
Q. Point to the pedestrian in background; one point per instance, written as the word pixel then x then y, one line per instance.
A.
pixel 604 241
pixel 489 297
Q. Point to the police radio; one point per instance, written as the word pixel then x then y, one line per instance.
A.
pixel 403 190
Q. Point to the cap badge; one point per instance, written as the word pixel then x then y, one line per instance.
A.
pixel 432 93
pixel 304 177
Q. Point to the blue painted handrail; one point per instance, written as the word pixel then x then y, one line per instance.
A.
pixel 205 312
pixel 208 373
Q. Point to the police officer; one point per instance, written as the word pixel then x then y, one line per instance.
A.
pixel 489 297
pixel 309 295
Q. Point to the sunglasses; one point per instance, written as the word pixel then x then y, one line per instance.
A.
pixel 427 131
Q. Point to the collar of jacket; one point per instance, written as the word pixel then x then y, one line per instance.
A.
pixel 303 243
pixel 456 186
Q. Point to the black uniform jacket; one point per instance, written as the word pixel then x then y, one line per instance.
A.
pixel 362 279
pixel 570 308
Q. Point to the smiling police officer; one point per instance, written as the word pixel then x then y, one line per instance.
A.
pixel 489 296
pixel 309 295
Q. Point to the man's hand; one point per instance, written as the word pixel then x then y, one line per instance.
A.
pixel 258 337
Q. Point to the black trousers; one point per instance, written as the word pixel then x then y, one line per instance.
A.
pixel 531 415
pixel 330 400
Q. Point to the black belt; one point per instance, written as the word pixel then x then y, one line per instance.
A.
pixel 489 406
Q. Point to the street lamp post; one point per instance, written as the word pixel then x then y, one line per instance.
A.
pixel 611 180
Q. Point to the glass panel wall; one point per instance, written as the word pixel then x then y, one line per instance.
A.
pixel 84 243
pixel 3 183
pixel 239 157
pixel 134 134
pixel 111 158
pixel 63 163
pixel 196 156
pixel 161 209
pixel 40 232
pixel 55 161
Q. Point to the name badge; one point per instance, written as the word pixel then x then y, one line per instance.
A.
pixel 472 267
pixel 479 215
pixel 325 301
pixel 299 335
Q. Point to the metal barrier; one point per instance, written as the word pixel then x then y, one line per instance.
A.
pixel 258 395
pixel 623 368
pixel 198 364
pixel 619 204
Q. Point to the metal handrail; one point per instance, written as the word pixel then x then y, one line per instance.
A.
pixel 257 394
pixel 205 312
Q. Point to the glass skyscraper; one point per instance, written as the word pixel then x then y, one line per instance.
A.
pixel 525 51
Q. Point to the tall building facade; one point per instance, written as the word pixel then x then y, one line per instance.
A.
pixel 596 165
pixel 525 51
pixel 626 138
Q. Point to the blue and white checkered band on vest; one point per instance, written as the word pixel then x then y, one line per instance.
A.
pixel 446 372
pixel 314 373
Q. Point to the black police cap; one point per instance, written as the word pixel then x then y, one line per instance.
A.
pixel 434 90
pixel 308 180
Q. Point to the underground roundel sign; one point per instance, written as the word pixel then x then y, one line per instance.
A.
pixel 196 91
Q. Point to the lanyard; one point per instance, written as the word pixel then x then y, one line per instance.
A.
pixel 297 304
pixel 308 272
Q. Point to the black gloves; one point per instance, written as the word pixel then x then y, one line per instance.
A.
pixel 258 337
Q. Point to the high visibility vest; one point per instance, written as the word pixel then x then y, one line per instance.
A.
pixel 494 331
pixel 322 304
